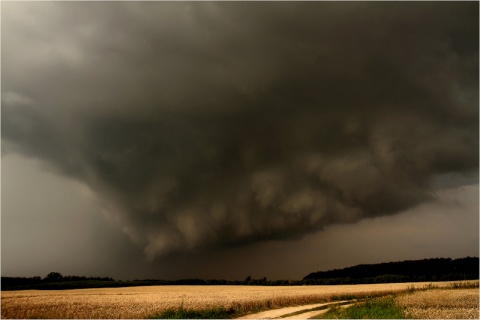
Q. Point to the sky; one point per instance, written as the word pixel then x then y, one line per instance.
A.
pixel 221 140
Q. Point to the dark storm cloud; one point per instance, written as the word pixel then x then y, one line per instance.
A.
pixel 212 124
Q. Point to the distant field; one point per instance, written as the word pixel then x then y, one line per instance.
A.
pixel 142 302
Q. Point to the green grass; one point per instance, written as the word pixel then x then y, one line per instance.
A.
pixel 380 308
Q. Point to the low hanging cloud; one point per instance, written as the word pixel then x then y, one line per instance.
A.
pixel 212 124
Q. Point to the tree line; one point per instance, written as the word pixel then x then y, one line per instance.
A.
pixel 439 269
pixel 53 280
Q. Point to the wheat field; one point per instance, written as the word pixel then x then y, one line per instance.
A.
pixel 141 302
pixel 441 304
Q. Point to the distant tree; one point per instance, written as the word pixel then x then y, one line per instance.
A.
pixel 54 276
pixel 248 279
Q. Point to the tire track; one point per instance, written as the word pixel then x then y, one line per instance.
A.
pixel 300 312
pixel 312 314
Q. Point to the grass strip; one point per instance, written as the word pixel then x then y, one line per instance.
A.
pixel 380 308
pixel 212 313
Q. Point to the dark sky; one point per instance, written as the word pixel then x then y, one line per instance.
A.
pixel 226 139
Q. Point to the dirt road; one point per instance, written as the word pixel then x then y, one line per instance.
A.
pixel 299 312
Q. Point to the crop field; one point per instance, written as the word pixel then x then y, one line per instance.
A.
pixel 143 302
pixel 441 304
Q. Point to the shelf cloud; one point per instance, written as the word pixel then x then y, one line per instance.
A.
pixel 201 125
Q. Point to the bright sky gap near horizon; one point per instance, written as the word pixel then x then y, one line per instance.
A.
pixel 230 139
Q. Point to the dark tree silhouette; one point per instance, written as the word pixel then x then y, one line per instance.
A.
pixel 54 276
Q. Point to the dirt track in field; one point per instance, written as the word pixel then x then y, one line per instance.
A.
pixel 428 304
pixel 299 312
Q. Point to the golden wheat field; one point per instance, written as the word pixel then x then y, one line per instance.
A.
pixel 141 302
pixel 441 304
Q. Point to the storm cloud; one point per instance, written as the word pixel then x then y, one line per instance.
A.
pixel 209 124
